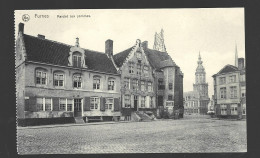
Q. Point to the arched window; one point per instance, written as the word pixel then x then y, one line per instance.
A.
pixel 59 78
pixel 96 82
pixel 77 83
pixel 41 76
pixel 111 84
pixel 77 59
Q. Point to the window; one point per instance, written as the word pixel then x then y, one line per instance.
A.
pixel 69 104
pixel 142 101
pixel 77 81
pixel 43 104
pixel 222 80
pixel 169 97
pixel 138 55
pixel 66 104
pixel 170 86
pixel 135 84
pixel 41 77
pixel 149 86
pixel 146 70
pixel 94 103
pixel 232 78
pixel 223 93
pixel 77 104
pixel 233 109
pixel 243 95
pixel 127 83
pixel 58 79
pixel 138 72
pixel 48 104
pixel 39 102
pixel 62 104
pixel 243 109
pixel 151 101
pixel 96 82
pixel 109 103
pixel 142 86
pixel 243 77
pixel 76 60
pixel 111 84
pixel 233 92
pixel 127 101
pixel 131 68
pixel 223 109
pixel 160 84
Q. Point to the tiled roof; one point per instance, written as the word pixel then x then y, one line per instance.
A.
pixel 156 58
pixel 47 51
pixel 228 68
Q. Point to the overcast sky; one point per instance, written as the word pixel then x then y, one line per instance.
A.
pixel 212 31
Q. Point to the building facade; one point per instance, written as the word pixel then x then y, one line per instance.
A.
pixel 192 102
pixel 61 83
pixel 151 81
pixel 200 91
pixel 230 90
pixel 56 80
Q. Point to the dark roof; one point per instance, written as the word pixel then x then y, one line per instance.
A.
pixel 228 68
pixel 156 58
pixel 52 52
pixel 119 58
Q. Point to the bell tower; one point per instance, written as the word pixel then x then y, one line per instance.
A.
pixel 200 80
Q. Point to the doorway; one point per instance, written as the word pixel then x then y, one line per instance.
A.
pixel 160 100
pixel 77 107
pixel 135 102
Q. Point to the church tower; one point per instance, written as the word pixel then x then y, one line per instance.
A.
pixel 200 80
pixel 159 41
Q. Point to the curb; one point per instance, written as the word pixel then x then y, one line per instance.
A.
pixel 68 125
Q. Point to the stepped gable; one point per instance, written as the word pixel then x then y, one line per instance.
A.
pixel 156 58
pixel 52 52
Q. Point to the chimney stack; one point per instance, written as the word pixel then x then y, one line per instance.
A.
pixel 109 48
pixel 21 28
pixel 41 36
pixel 145 44
pixel 241 63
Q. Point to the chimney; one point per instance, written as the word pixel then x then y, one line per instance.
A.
pixel 145 44
pixel 41 36
pixel 21 28
pixel 109 48
pixel 241 64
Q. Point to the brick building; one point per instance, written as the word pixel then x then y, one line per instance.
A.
pixel 151 81
pixel 230 90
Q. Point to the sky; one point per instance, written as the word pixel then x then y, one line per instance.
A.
pixel 214 32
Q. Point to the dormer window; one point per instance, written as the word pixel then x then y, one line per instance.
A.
pixel 77 59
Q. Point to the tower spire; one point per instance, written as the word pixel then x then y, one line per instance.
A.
pixel 236 58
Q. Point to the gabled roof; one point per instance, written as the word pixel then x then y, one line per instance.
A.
pixel 52 52
pixel 156 58
pixel 226 69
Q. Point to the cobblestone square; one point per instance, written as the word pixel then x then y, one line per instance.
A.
pixel 195 134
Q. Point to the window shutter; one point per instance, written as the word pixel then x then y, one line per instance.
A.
pixel 87 104
pixel 102 104
pixel 132 101
pixel 56 103
pixel 32 104
pixel 116 104
pixel 26 105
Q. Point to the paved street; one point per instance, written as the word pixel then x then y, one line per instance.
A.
pixel 191 134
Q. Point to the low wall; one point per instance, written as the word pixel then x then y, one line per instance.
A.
pixel 48 114
pixel 44 121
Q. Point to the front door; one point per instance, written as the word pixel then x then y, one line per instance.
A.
pixel 135 102
pixel 160 100
pixel 77 107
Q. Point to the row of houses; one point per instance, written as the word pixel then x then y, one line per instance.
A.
pixel 56 81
